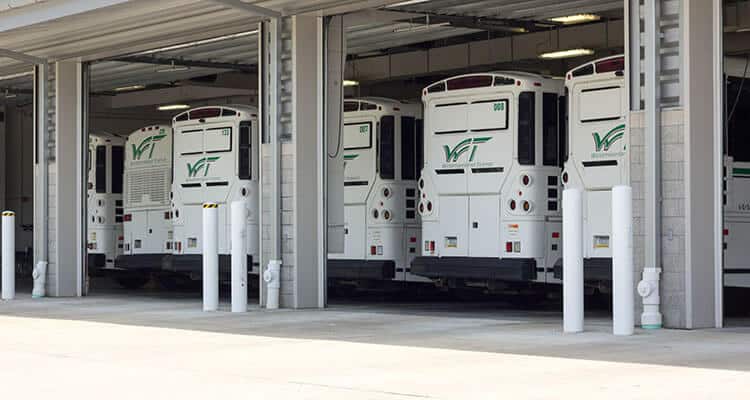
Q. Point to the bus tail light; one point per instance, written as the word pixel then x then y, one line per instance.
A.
pixel 421 208
pixel 526 205
pixel 178 245
pixel 726 232
pixel 508 247
pixel 429 206
pixel 565 177
pixel 525 180
pixel 167 215
pixel 512 205
pixel 386 215
pixel 412 239
pixel 373 250
pixel 555 235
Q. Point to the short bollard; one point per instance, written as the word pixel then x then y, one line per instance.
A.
pixel 210 257
pixel 239 256
pixel 9 255
pixel 623 276
pixel 572 261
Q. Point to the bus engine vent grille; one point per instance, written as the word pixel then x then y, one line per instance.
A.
pixel 148 187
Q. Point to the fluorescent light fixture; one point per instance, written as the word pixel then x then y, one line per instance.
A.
pixel 173 68
pixel 197 43
pixel 554 55
pixel 129 88
pixel 575 19
pixel 417 28
pixel 406 3
pixel 174 107
pixel 348 82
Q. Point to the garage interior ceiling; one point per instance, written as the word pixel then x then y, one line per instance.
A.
pixel 147 31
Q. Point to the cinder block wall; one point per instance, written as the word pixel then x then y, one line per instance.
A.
pixel 673 278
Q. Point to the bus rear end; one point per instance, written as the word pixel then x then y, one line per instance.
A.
pixel 489 189
pixel 598 158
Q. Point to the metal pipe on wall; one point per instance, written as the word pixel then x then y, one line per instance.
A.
pixel 651 317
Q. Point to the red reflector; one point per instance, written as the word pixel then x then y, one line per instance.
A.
pixel 373 250
pixel 121 238
pixel 167 215
pixel 127 217
pixel 432 246
pixel 555 235
pixel 726 232
pixel 469 82
pixel 537 84
pixel 412 240
pixel 611 65
pixel 205 113
pixel 508 247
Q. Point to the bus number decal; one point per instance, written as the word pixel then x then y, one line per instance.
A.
pixel 498 106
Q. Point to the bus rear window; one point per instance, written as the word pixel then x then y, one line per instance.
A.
pixel 600 104
pixel 244 165
pixel 118 166
pixel 420 147
pixel 101 169
pixel 526 128
pixel 358 136
pixel 408 147
pixel 386 151
pixel 550 150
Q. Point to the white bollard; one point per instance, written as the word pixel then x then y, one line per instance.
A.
pixel 272 277
pixel 9 255
pixel 572 261
pixel 239 256
pixel 210 257
pixel 40 280
pixel 623 276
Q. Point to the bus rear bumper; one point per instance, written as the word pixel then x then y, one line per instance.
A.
pixel 594 269
pixel 141 262
pixel 479 268
pixel 361 269
pixel 192 264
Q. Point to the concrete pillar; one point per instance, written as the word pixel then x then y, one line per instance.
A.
pixel 687 160
pixel 60 220
pixel 293 110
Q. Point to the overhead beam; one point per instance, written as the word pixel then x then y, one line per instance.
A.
pixel 21 57
pixel 249 8
pixel 48 11
pixel 187 63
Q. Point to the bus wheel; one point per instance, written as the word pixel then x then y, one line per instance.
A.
pixel 132 282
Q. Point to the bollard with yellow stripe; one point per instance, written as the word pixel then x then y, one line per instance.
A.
pixel 210 205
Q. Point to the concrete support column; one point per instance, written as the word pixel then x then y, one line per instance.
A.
pixel 687 201
pixel 64 178
pixel 290 104
pixel 307 184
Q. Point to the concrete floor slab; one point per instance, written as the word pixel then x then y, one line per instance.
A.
pixel 119 345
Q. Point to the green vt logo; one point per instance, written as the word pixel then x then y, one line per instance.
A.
pixel 148 143
pixel 202 164
pixel 604 143
pixel 452 155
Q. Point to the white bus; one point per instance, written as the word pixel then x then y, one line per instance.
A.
pixel 215 160
pixel 737 174
pixel 382 151
pixel 490 191
pixel 597 159
pixel 105 208
pixel 147 217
